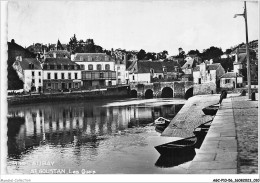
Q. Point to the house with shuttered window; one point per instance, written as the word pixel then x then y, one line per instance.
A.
pixel 99 69
pixel 61 74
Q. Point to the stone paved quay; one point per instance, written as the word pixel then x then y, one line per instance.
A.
pixel 231 145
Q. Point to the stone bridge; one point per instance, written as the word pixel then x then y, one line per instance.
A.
pixel 176 89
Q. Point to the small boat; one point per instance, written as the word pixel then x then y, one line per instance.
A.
pixel 200 132
pixel 161 121
pixel 178 147
pixel 210 110
pixel 161 124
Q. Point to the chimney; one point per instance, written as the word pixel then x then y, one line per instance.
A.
pixel 72 56
pixel 125 59
pixel 54 55
pixel 236 56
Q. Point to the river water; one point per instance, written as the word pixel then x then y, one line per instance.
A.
pixel 102 137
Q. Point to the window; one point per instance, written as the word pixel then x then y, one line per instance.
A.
pixel 133 77
pixel 118 67
pixel 82 67
pixel 81 58
pixel 40 81
pixel 55 67
pixel 90 67
pixel 32 73
pixel 99 67
pixel 49 75
pixel 33 81
pixel 107 67
pixel 75 67
pixel 208 71
pixel 76 85
pixel 89 58
pixel 69 75
pixel 55 76
pixel 62 67
pixel 39 73
pixel 76 75
pixel 119 73
pixel 48 67
pixel 227 81
pixel 62 76
pixel 49 85
pixel 152 71
pixel 69 85
pixel 101 75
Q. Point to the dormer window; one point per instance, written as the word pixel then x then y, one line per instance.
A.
pixel 62 67
pixel 152 71
pixel 55 67
pixel 164 69
pixel 81 58
pixel 48 67
pixel 89 58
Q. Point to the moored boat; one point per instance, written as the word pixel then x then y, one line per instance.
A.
pixel 161 121
pixel 178 147
pixel 210 110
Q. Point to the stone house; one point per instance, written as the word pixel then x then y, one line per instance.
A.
pixel 231 80
pixel 206 73
pixel 14 50
pixel 98 69
pixel 61 74
pixel 29 71
pixel 144 71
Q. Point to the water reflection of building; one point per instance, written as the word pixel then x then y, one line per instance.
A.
pixel 76 123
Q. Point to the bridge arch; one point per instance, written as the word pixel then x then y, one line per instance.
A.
pixel 133 93
pixel 188 93
pixel 148 94
pixel 167 92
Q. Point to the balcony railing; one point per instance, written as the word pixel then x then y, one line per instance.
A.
pixel 98 75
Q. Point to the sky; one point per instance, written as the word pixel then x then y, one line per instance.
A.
pixel 151 25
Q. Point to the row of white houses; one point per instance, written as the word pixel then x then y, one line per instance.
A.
pixel 97 70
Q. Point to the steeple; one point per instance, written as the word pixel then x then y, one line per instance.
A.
pixel 59 46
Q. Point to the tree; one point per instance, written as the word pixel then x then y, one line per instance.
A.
pixel 150 56
pixel 194 52
pixel 212 53
pixel 73 43
pixel 141 54
pixel 228 51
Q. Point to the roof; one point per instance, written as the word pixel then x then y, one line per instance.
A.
pixel 188 64
pixel 213 66
pixel 94 57
pixel 25 64
pixel 146 66
pixel 231 75
pixel 59 53
pixel 63 61
pixel 171 66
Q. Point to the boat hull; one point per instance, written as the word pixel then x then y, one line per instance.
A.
pixel 179 147
pixel 210 110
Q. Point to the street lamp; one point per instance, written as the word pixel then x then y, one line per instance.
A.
pixel 247 51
